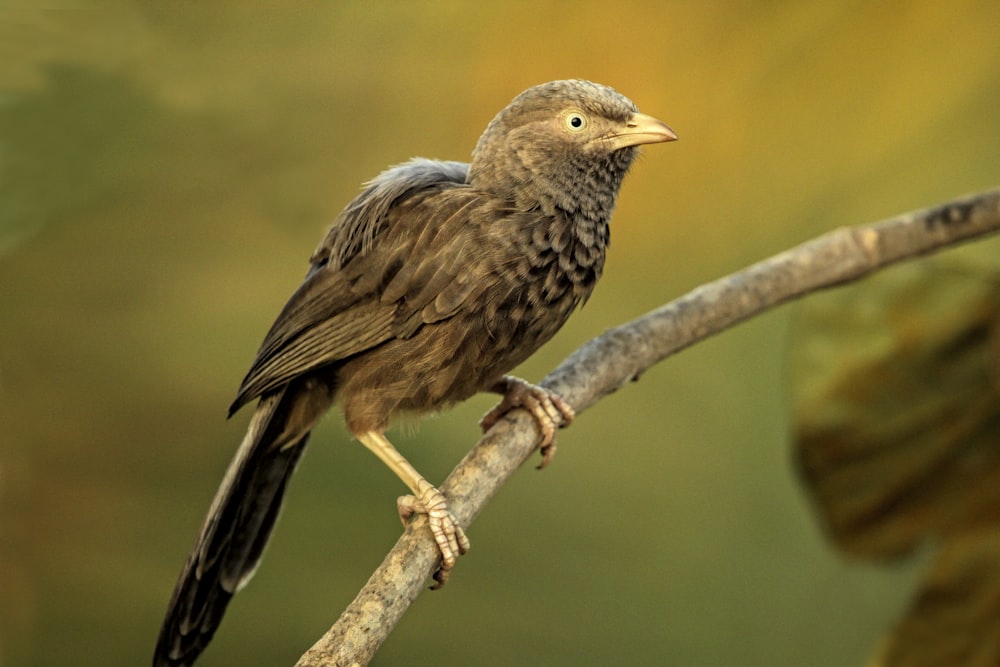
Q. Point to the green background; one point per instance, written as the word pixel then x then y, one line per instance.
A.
pixel 166 170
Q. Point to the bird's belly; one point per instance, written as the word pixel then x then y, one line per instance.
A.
pixel 443 363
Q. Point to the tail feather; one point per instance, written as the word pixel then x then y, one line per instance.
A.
pixel 233 537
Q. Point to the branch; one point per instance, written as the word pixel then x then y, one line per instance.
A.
pixel 619 356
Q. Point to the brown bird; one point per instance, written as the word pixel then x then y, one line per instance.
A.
pixel 435 281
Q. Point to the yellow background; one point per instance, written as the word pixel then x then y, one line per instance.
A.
pixel 166 170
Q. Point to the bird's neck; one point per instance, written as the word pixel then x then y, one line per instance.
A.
pixel 580 189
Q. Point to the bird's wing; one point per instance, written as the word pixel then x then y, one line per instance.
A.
pixel 412 273
pixel 366 218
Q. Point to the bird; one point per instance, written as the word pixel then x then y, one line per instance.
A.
pixel 431 285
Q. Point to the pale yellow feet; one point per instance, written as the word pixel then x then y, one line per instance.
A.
pixel 448 535
pixel 549 410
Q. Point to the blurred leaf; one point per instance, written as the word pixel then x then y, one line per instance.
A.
pixel 953 620
pixel 896 386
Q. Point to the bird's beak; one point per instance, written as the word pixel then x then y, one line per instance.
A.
pixel 640 129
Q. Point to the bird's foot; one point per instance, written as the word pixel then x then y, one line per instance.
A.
pixel 448 535
pixel 549 410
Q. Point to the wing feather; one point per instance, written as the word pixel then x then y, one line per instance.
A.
pixel 364 291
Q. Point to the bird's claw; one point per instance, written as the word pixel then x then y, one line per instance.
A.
pixel 548 408
pixel 448 535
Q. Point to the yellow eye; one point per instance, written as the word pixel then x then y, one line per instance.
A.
pixel 575 121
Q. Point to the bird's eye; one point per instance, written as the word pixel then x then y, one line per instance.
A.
pixel 575 121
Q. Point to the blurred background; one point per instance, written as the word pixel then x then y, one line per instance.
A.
pixel 165 172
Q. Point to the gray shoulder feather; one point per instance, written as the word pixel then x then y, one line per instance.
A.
pixel 358 225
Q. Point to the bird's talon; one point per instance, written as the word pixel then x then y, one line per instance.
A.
pixel 441 578
pixel 547 452
pixel 449 537
pixel 548 408
pixel 407 507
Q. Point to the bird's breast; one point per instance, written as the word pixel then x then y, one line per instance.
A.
pixel 533 280
pixel 556 268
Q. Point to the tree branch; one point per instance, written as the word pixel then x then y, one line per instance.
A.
pixel 620 355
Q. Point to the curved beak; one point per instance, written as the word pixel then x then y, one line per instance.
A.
pixel 640 129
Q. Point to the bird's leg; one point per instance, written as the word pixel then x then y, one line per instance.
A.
pixel 549 410
pixel 426 499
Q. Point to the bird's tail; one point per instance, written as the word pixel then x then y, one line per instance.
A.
pixel 237 528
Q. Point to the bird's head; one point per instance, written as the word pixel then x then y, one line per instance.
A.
pixel 563 144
